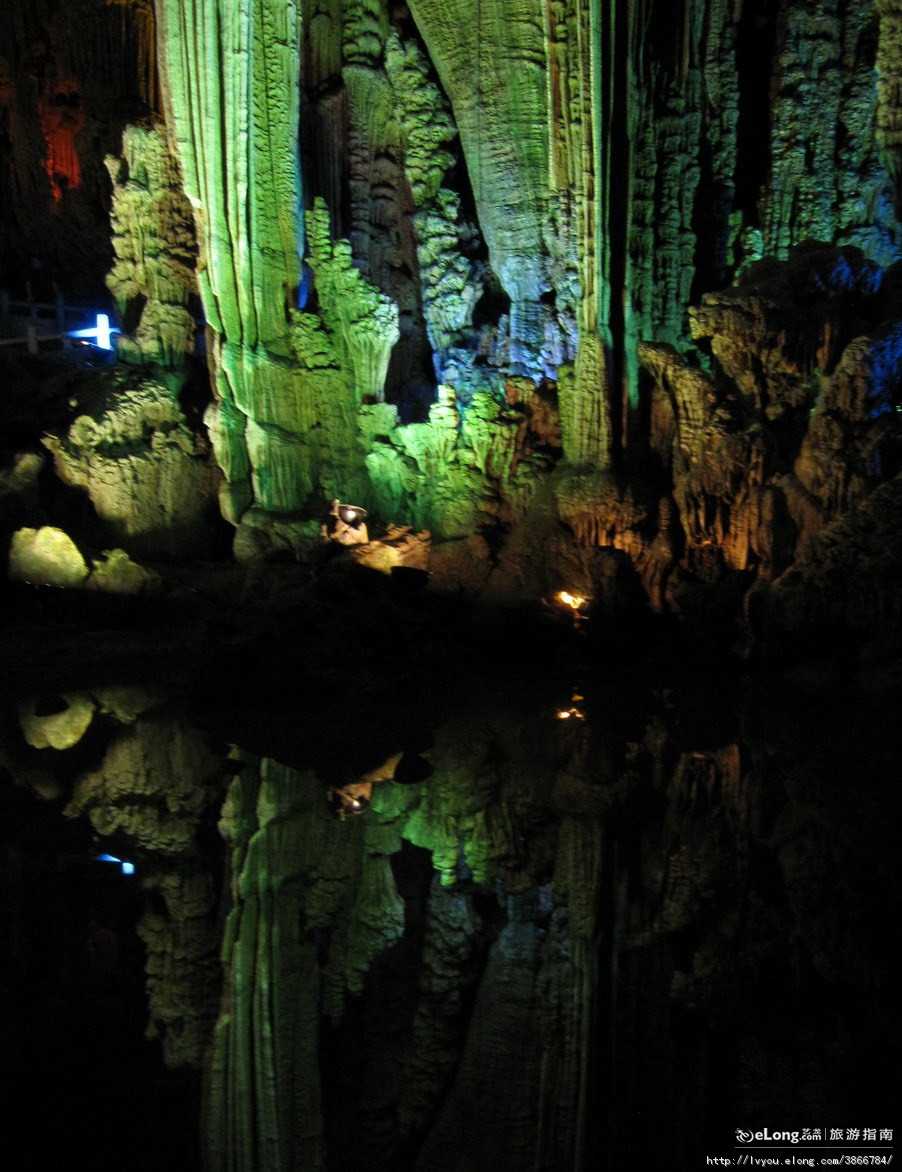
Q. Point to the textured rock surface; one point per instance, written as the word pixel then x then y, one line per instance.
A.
pixel 46 557
pixel 828 180
pixel 845 586
pixel 147 475
pixel 153 276
pixel 491 62
pixel 183 975
pixel 301 884
pixel 155 778
pixel 513 960
pixel 236 145
pixel 363 323
pixel 114 572
pixel 57 729
pixel 889 96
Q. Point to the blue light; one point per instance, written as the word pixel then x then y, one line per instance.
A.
pixel 125 867
pixel 101 333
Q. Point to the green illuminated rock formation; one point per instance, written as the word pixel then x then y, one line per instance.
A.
pixel 231 95
pixel 156 255
pixel 296 875
pixel 147 475
pixel 363 323
pixel 423 988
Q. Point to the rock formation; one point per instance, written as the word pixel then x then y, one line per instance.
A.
pixel 150 790
pixel 146 473
pixel 153 276
pixel 510 272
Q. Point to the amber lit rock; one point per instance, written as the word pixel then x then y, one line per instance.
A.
pixel 399 546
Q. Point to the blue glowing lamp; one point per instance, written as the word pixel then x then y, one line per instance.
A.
pixel 125 867
pixel 101 333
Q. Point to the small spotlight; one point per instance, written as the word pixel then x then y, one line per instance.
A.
pixel 351 514
pixel 573 601
pixel 128 868
pixel 563 714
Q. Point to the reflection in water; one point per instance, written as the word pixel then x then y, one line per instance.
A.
pixel 599 933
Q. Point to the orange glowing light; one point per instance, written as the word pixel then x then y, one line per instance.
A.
pixel 574 601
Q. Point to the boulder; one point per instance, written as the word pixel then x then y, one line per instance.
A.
pixel 46 557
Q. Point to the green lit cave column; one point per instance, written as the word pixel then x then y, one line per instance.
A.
pixel 230 78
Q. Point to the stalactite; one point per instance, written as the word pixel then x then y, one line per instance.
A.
pixel 264 1099
pixel 313 900
pixel 449 281
pixel 426 123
